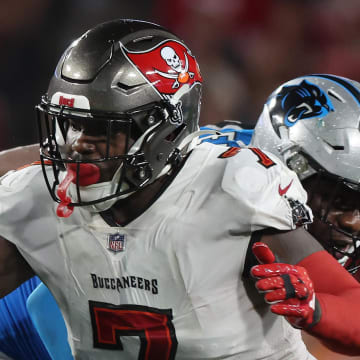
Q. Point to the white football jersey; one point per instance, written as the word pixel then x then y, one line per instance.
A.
pixel 170 284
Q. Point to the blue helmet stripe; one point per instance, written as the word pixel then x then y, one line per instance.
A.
pixel 347 85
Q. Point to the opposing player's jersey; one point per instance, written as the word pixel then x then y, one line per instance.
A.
pixel 42 306
pixel 229 134
pixel 170 284
pixel 19 339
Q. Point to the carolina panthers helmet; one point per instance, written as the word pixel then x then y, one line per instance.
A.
pixel 312 124
pixel 123 75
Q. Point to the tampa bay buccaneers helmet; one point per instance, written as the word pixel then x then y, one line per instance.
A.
pixel 123 75
pixel 312 124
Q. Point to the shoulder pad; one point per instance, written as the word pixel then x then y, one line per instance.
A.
pixel 19 178
pixel 264 186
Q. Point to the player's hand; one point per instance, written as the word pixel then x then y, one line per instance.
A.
pixel 287 287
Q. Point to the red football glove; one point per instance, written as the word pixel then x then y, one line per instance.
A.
pixel 287 286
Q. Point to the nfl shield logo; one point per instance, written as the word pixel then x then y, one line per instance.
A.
pixel 116 242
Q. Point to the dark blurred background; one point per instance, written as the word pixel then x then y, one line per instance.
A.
pixel 245 48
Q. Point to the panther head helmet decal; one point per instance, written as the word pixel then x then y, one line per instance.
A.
pixel 296 102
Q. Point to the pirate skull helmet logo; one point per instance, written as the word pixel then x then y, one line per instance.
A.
pixel 171 58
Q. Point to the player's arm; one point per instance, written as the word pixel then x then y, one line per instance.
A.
pixel 317 294
pixel 14 158
pixel 14 270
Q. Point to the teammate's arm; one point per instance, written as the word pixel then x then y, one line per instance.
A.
pixel 14 158
pixel 336 318
pixel 14 270
pixel 291 246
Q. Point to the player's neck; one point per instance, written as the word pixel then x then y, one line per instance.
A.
pixel 128 209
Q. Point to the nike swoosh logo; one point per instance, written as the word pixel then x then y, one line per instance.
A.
pixel 285 189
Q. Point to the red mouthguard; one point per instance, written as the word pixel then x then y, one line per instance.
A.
pixel 88 174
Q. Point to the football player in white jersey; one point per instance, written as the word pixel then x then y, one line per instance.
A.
pixel 312 124
pixel 147 248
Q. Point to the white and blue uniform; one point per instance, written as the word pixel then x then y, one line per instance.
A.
pixel 48 321
pixel 176 289
pixel 19 339
pixel 230 134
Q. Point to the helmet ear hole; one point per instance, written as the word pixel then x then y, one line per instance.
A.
pixel 135 131
pixel 144 120
pixel 173 135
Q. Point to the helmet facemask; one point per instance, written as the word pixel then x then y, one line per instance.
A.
pixel 329 197
pixel 132 169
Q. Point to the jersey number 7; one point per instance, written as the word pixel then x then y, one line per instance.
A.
pixel 153 327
